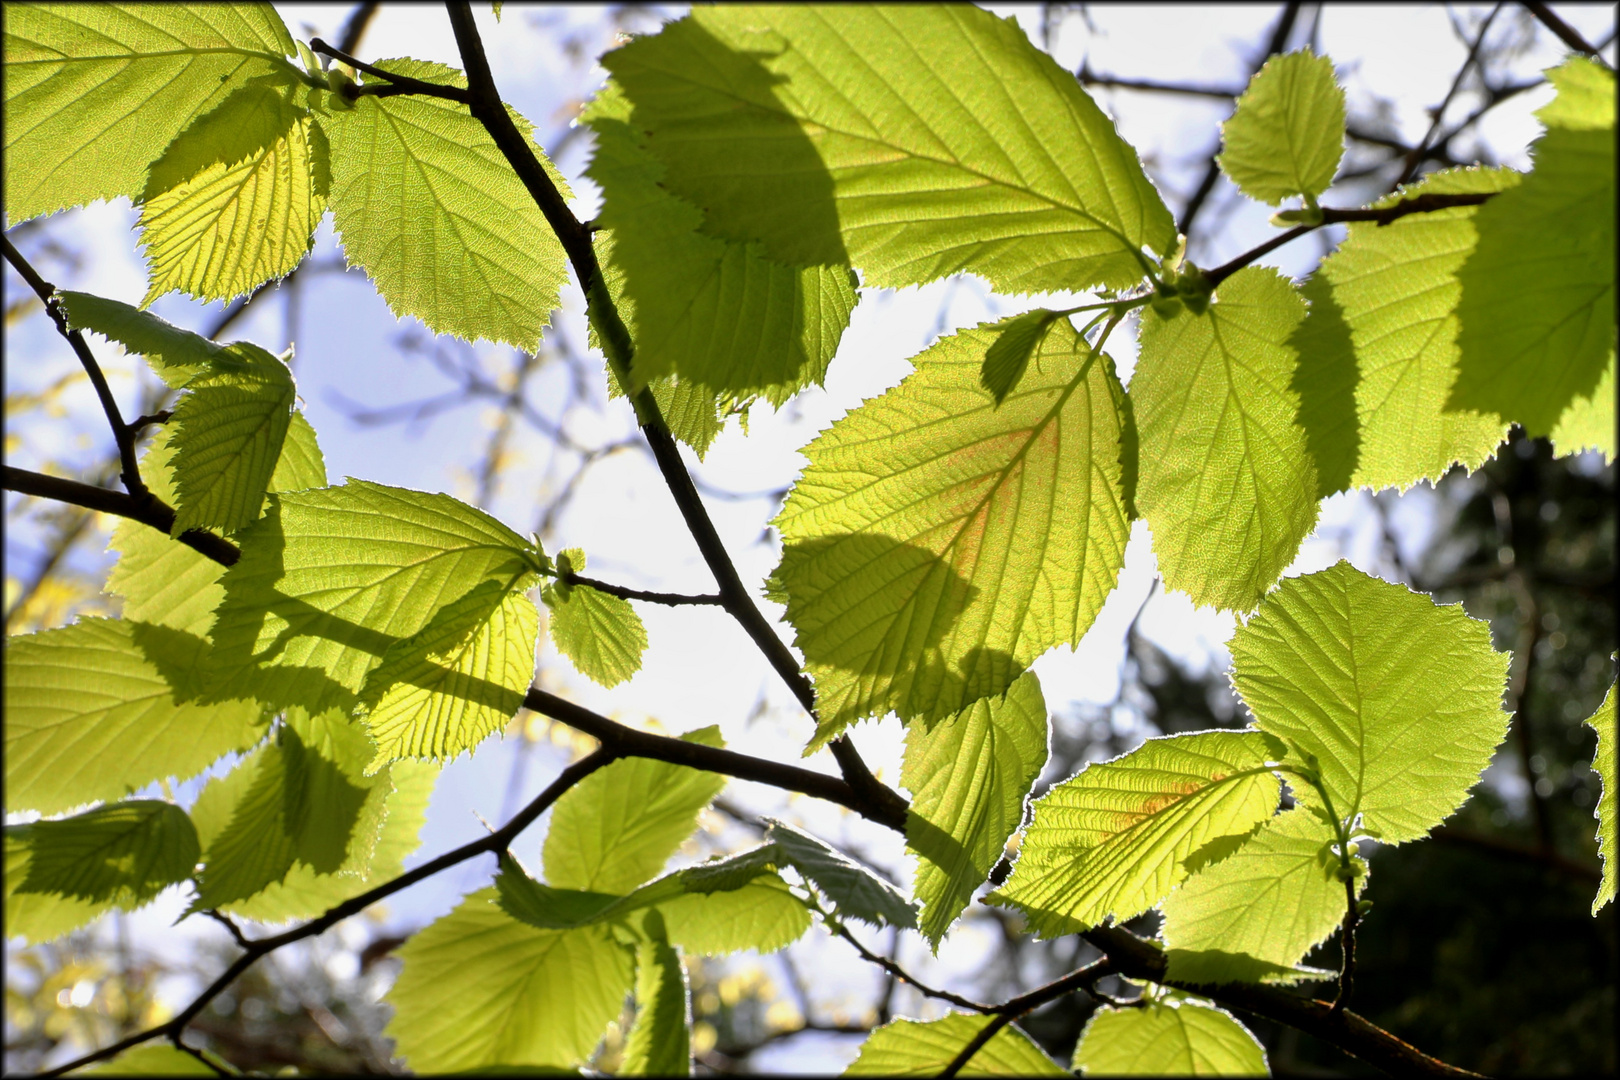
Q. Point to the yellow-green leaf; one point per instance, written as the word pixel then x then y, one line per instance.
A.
pixel 1287 134
pixel 1177 1038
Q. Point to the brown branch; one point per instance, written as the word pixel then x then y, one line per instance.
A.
pixel 122 434
pixel 1565 32
pixel 1083 979
pixel 1347 946
pixel 625 593
pixel 1088 77
pixel 1413 158
pixel 148 509
pixel 397 84
pixel 494 843
pixel 896 971
pixel 486 106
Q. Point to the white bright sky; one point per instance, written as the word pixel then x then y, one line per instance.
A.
pixel 700 669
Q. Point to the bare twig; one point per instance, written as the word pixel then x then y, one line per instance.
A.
pixel 625 593
pixel 1409 167
pixel 1564 32
pixel 397 84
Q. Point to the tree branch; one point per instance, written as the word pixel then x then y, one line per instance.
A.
pixel 1415 156
pixel 398 84
pixel 900 973
pixel 494 843
pixel 122 434
pixel 486 106
pixel 625 593
pixel 1083 979
pixel 1565 32
pixel 1347 945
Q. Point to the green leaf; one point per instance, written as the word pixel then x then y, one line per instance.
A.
pixel 428 206
pixel 1603 763
pixel 1537 308
pixel 1588 423
pixel 1226 483
pixel 1180 1038
pixel 126 852
pixel 660 1041
pixel 937 543
pixel 175 354
pixel 1115 838
pixel 480 988
pixel 90 713
pixel 228 433
pixel 249 214
pixel 924 1047
pixel 600 633
pixel 329 579
pixel 617 827
pixel 387 831
pixel 73 71
pixel 969 777
pixel 694 414
pixel 152 1059
pixel 457 681
pixel 299 799
pixel 854 891
pixel 913 142
pixel 716 312
pixel 1378 351
pixel 37 917
pixel 1008 355
pixel 1398 698
pixel 761 915
pixel 1287 134
pixel 168 583
pixel 1254 915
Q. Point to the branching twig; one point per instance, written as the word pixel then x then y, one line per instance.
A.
pixel 1006 1013
pixel 1415 156
pixel 149 510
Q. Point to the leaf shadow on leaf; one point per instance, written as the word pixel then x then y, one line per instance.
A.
pixel 1325 378
pixel 739 89
pixel 246 123
pixel 1214 967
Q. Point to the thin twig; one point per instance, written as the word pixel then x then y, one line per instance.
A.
pixel 398 84
pixel 902 974
pixel 1347 944
pixel 1565 32
pixel 229 924
pixel 1416 155
pixel 1006 1013
pixel 626 593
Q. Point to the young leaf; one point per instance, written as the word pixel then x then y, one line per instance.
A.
pixel 1537 308
pixel 296 800
pixel 480 988
pixel 969 777
pixel 924 1047
pixel 386 831
pixel 855 892
pixel 331 578
pixel 94 93
pixel 1603 763
pixel 242 221
pixel 125 852
pixel 1116 838
pixel 1226 483
pixel 1378 352
pixel 427 205
pixel 90 714
pixel 618 826
pixel 937 543
pixel 910 141
pixel 1399 699
pixel 1287 134
pixel 716 312
pixel 168 583
pixel 600 633
pixel 1008 355
pixel 228 433
pixel 458 680
pixel 1254 915
pixel 1181 1038
pixel 175 354
pixel 37 917
pixel 660 1040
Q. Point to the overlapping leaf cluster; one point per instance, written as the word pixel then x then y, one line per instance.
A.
pixel 757 166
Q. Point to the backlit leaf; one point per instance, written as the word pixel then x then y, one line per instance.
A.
pixel 1116 838
pixel 1603 763
pixel 90 714
pixel 36 917
pixel 617 827
pixel 599 632
pixel 124 852
pixel 1226 482
pixel 174 353
pixel 73 70
pixel 1537 308
pixel 152 1059
pixel 1588 423
pixel 1008 355
pixel 969 777
pixel 1254 915
pixel 427 205
pixel 716 312
pixel 1287 134
pixel 1398 698
pixel 480 988
pixel 660 1040
pixel 910 141
pixel 331 578
pixel 855 891
pixel 924 1047
pixel 1378 351
pixel 1181 1038
pixel 937 543
pixel 458 680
